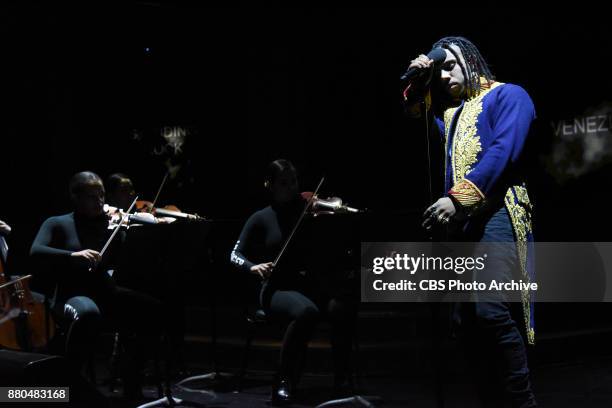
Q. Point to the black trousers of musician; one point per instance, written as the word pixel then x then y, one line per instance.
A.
pixel 136 316
pixel 494 343
pixel 302 304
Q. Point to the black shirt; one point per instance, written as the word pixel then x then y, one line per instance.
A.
pixel 62 235
pixel 264 234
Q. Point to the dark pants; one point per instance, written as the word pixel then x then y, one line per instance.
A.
pixel 302 307
pixel 495 347
pixel 134 315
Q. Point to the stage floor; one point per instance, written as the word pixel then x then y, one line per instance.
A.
pixel 573 379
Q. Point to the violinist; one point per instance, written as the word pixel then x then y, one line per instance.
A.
pixel 67 251
pixel 148 259
pixel 120 191
pixel 290 293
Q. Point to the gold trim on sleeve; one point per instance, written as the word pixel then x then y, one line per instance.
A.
pixel 467 193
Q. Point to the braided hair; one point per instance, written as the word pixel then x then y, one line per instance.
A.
pixel 475 65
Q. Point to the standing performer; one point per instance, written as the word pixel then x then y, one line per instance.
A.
pixel 485 126
pixel 290 293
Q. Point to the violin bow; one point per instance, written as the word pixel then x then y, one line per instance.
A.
pixel 299 221
pixel 159 190
pixel 14 281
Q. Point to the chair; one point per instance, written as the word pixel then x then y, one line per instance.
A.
pixel 255 320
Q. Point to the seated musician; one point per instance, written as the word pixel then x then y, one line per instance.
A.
pixel 288 292
pixel 120 191
pixel 67 251
pixel 157 273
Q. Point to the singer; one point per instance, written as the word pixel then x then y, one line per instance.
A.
pixel 484 125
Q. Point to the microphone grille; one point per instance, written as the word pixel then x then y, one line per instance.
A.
pixel 438 55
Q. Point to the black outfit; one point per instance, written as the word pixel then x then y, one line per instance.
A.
pixel 84 299
pixel 293 293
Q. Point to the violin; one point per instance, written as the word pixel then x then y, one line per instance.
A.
pixel 314 205
pixel 146 214
pixel 118 217
pixel 328 206
pixel 24 321
pixel 170 212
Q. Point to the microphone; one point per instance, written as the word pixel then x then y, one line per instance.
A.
pixel 438 55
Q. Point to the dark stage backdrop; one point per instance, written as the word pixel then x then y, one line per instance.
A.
pixel 93 88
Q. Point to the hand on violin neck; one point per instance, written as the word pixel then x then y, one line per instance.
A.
pixel 263 270
pixel 88 257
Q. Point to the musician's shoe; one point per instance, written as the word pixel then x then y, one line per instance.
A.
pixel 282 394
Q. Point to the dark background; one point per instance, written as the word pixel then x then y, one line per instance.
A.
pixel 316 86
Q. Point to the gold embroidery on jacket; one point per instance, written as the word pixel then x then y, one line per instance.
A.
pixel 465 149
pixel 519 208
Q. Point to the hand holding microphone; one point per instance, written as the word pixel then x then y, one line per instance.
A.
pixel 420 65
pixel 421 62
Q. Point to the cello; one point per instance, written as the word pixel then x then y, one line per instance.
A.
pixel 24 321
